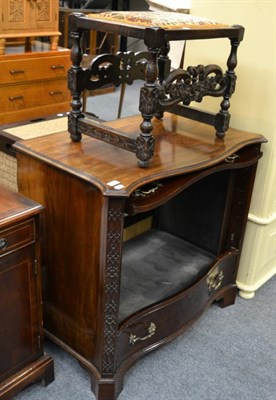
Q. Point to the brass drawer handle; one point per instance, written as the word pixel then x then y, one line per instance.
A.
pixel 3 243
pixel 231 159
pixel 214 280
pixel 57 67
pixel 14 98
pixel 53 93
pixel 151 331
pixel 17 71
pixel 147 189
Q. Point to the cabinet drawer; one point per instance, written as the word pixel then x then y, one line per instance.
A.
pixel 34 95
pixel 17 236
pixel 27 70
pixel 163 322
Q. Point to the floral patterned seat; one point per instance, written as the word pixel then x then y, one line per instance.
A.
pixel 171 21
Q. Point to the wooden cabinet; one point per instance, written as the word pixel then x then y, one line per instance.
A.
pixel 112 296
pixel 29 18
pixel 33 84
pixel 22 359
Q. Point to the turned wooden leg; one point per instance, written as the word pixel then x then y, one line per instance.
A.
pixel 223 116
pixel 2 46
pixel 148 94
pixel 28 44
pixel 76 93
pixel 54 42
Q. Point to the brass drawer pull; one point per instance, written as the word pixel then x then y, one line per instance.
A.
pixel 231 159
pixel 3 243
pixel 14 98
pixel 57 67
pixel 17 71
pixel 53 93
pixel 147 189
pixel 214 280
pixel 151 331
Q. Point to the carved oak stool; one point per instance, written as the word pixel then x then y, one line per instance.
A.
pixel 164 89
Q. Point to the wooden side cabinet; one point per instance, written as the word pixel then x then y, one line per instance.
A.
pixel 29 18
pixel 110 297
pixel 22 359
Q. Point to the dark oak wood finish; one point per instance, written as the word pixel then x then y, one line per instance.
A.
pixel 22 359
pixel 164 89
pixel 203 185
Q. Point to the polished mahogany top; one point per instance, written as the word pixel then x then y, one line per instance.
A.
pixel 182 146
pixel 14 206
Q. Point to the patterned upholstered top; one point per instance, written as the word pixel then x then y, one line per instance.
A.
pixel 167 21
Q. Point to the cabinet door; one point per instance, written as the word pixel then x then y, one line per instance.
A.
pixel 15 15
pixel 20 312
pixel 44 15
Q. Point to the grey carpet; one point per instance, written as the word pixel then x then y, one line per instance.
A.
pixel 227 354
pixel 106 106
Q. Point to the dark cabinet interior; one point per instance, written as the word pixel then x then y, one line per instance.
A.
pixel 179 247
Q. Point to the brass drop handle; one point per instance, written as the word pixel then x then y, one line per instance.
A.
pixel 14 98
pixel 3 243
pixel 214 280
pixel 57 67
pixel 231 159
pixel 147 189
pixel 17 71
pixel 151 331
pixel 53 93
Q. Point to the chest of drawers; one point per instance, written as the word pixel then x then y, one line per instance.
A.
pixel 22 359
pixel 33 84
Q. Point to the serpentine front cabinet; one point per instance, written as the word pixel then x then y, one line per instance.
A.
pixel 111 296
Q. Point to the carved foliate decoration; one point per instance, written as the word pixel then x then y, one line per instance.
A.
pixel 221 124
pixel 112 283
pixel 145 148
pixel 16 10
pixel 73 126
pixel 78 79
pixel 106 134
pixel 115 68
pixel 43 10
pixel 149 100
pixel 193 84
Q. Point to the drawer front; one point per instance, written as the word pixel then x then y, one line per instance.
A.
pixel 164 322
pixel 16 237
pixel 20 310
pixel 33 95
pixel 27 70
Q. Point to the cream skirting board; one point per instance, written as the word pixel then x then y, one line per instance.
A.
pixel 258 260
pixel 8 164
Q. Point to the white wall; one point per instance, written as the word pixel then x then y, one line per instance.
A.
pixel 253 108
